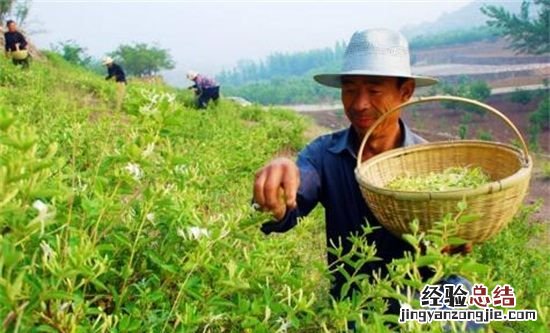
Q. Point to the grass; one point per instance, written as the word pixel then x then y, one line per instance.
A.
pixel 140 221
pixel 546 170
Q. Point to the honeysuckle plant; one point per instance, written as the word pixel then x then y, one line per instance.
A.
pixel 140 221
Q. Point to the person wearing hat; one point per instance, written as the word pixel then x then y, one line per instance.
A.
pixel 16 45
pixel 375 77
pixel 115 71
pixel 205 88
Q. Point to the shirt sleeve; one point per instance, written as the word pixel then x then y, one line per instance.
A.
pixel 22 41
pixel 120 72
pixel 109 73
pixel 309 164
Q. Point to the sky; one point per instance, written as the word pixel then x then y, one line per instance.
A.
pixel 209 36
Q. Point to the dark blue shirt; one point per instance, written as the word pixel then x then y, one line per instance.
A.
pixel 116 71
pixel 12 38
pixel 327 176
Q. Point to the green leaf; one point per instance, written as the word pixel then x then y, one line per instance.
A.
pixel 468 218
pixel 501 327
pixel 456 241
pixel 427 260
pixel 410 239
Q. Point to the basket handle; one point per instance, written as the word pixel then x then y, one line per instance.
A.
pixel 419 100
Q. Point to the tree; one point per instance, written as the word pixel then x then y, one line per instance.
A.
pixel 141 59
pixel 16 10
pixel 73 53
pixel 527 33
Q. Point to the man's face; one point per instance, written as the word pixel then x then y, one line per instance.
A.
pixel 365 98
pixel 12 27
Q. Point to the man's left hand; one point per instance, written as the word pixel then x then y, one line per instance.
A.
pixel 463 249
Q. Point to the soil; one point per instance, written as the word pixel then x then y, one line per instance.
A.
pixel 435 122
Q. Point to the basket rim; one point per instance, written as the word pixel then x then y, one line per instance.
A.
pixel 492 187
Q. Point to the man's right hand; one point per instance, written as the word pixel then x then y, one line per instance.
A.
pixel 276 186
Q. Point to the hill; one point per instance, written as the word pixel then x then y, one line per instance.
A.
pixel 455 38
pixel 465 18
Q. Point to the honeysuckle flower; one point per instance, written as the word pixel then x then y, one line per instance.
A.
pixel 65 306
pixel 181 233
pixel 405 305
pixel 167 188
pixel 134 170
pixel 192 233
pixel 47 251
pixel 180 169
pixel 148 150
pixel 285 325
pixel 147 109
pixel 171 98
pixel 41 207
pixel 44 214
pixel 196 232
pixel 150 217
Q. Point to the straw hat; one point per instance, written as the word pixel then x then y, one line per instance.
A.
pixel 191 75
pixel 376 52
pixel 107 61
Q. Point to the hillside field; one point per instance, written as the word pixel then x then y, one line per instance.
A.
pixel 140 221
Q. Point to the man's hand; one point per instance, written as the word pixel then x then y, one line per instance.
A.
pixel 276 186
pixel 460 249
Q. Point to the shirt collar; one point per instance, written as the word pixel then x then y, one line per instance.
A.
pixel 348 140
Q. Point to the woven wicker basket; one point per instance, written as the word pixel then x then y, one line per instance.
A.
pixel 20 54
pixel 493 204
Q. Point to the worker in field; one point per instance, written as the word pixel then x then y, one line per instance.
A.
pixel 16 45
pixel 375 77
pixel 205 88
pixel 115 71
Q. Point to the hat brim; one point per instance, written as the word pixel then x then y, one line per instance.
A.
pixel 335 80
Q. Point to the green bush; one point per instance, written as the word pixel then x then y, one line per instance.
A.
pixel 476 90
pixel 485 136
pixel 546 170
pixel 541 116
pixel 453 37
pixel 521 96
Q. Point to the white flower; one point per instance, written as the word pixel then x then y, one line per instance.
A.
pixel 167 188
pixel 405 305
pixel 41 207
pixel 171 98
pixel 44 214
pixel 148 109
pixel 149 150
pixel 134 170
pixel 196 232
pixel 150 217
pixel 193 233
pixel 47 251
pixel 180 169
pixel 285 325
pixel 65 306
